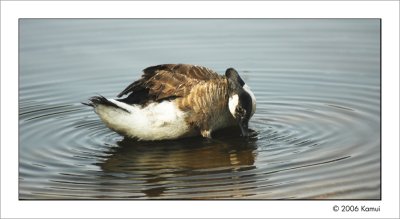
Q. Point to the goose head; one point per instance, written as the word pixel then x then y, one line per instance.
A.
pixel 241 102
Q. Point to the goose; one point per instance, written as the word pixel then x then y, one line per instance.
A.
pixel 172 101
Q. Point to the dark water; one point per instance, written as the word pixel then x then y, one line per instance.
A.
pixel 316 130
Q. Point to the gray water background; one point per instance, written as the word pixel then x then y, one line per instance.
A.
pixel 316 131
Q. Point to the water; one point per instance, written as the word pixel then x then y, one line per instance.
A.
pixel 316 131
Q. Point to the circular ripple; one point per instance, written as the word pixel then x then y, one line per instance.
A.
pixel 315 134
pixel 292 138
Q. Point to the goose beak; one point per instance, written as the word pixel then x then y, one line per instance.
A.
pixel 244 127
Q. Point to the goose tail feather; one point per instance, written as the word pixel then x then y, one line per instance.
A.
pixel 100 100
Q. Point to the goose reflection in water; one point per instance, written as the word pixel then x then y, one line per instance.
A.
pixel 187 167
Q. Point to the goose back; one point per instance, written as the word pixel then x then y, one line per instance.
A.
pixel 166 82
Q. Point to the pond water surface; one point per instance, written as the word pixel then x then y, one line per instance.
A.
pixel 316 132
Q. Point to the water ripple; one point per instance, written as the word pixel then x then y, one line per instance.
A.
pixel 315 135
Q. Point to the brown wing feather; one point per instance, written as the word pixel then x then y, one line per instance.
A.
pixel 167 81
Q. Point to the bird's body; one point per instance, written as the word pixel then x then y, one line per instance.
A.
pixel 174 101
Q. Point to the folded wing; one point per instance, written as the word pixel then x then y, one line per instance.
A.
pixel 163 82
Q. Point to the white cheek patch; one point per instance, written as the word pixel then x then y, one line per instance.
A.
pixel 232 103
pixel 253 98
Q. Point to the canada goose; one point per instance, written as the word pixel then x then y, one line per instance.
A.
pixel 171 101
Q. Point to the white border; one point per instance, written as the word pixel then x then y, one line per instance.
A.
pixel 12 11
